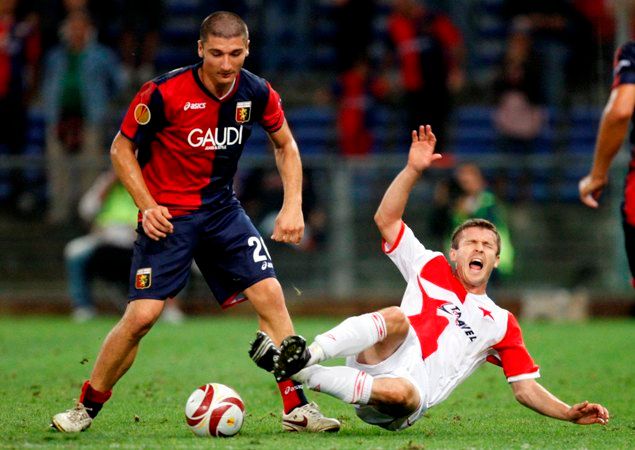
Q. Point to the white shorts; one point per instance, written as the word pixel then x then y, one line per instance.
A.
pixel 407 363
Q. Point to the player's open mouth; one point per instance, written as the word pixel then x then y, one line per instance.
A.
pixel 476 264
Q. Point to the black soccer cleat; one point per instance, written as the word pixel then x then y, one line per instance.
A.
pixel 263 351
pixel 293 357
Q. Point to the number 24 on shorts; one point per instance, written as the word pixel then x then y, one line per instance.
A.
pixel 258 255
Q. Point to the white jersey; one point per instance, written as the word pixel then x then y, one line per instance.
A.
pixel 457 331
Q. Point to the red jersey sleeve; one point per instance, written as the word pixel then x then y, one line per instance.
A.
pixel 273 116
pixel 512 355
pixel 143 113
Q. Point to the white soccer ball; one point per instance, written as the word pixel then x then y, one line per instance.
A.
pixel 214 410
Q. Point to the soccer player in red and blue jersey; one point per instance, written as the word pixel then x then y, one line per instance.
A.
pixel 617 115
pixel 176 153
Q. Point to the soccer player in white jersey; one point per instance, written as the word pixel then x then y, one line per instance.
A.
pixel 403 360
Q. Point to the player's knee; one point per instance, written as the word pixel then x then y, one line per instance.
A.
pixel 399 397
pixel 139 321
pixel 267 292
pixel 397 322
pixel 404 396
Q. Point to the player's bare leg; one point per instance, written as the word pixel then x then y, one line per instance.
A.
pixel 120 346
pixel 396 397
pixel 268 300
pixel 115 357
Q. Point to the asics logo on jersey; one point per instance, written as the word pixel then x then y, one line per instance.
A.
pixel 189 105
pixel 215 139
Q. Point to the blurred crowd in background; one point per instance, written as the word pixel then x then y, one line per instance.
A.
pixel 493 77
pixel 74 63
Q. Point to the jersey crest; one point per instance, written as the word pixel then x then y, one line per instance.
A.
pixel 243 112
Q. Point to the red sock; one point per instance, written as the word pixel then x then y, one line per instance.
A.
pixel 292 394
pixel 93 399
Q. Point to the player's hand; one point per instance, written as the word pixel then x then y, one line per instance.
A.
pixel 289 226
pixel 422 154
pixel 590 189
pixel 155 222
pixel 586 413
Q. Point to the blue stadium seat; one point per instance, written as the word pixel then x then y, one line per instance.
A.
pixel 182 7
pixel 311 115
pixel 473 115
pixel 36 133
pixel 169 58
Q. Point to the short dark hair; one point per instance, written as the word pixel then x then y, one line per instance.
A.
pixel 224 24
pixel 476 223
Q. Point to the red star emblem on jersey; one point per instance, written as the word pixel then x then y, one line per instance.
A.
pixel 428 324
pixel 486 313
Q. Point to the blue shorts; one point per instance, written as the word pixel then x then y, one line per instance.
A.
pixel 226 246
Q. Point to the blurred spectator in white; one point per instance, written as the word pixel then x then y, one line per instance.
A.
pixel 81 78
pixel 430 51
pixel 106 251
pixel 19 61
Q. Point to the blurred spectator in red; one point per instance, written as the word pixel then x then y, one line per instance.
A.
pixel 19 60
pixel 357 91
pixel 81 78
pixel 430 52
pixel 142 20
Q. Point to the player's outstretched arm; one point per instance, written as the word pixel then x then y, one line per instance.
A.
pixel 534 396
pixel 289 225
pixel 155 219
pixel 390 212
pixel 613 128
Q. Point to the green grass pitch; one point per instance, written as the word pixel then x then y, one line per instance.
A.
pixel 44 360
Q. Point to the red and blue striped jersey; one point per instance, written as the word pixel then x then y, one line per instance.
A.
pixel 189 141
pixel 624 73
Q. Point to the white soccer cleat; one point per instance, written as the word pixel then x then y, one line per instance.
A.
pixel 72 420
pixel 309 418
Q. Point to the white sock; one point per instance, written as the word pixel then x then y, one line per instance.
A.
pixel 348 384
pixel 349 337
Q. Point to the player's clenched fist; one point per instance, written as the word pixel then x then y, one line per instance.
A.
pixel 289 227
pixel 156 222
